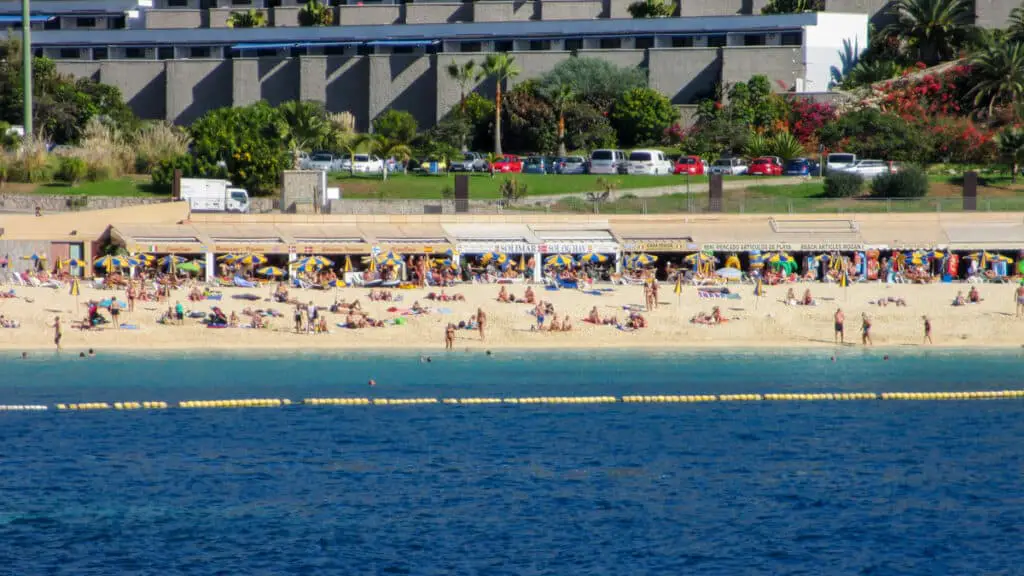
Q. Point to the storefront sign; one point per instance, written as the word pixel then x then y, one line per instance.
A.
pixel 166 248
pixel 601 247
pixel 659 246
pixel 250 249
pixel 783 247
pixel 325 249
pixel 416 248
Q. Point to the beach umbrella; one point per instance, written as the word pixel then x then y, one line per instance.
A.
pixel 756 259
pixel 348 264
pixel 75 262
pixel 642 260
pixel 35 257
pixel 934 254
pixel 779 257
pixel 75 288
pixel 171 259
pixel 695 258
pixel 1001 258
pixel 593 258
pixel 270 271
pixel 451 253
pixel 227 258
pixel 559 260
pixel 373 265
pixel 145 259
pixel 252 260
pixel 190 267
pixel 108 262
pixel 497 257
pixel 522 262
pixel 337 283
pixel 733 261
pixel 316 261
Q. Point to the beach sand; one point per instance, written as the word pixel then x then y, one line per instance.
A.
pixel 753 322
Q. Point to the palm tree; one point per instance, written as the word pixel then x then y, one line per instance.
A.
pixel 998 75
pixel 249 19
pixel 385 148
pixel 561 98
pixel 315 13
pixel 1015 30
pixel 936 28
pixel 308 124
pixel 501 67
pixel 351 143
pixel 465 76
pixel 1011 146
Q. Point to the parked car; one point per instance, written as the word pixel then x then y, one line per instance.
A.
pixel 470 162
pixel 321 161
pixel 765 166
pixel 537 165
pixel 692 165
pixel 366 164
pixel 571 165
pixel 427 165
pixel 868 169
pixel 303 161
pixel 802 167
pixel 729 166
pixel 839 161
pixel 608 162
pixel 508 163
pixel 650 162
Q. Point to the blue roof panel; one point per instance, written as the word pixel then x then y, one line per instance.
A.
pixel 10 19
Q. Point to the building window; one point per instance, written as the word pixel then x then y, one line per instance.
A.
pixel 135 53
pixel 70 53
pixel 792 38
pixel 241 2
pixel 611 43
pixel 297 51
pixel 52 24
pixel 165 53
pixel 753 39
pixel 574 44
pixel 85 22
pixel 177 3
pixel 266 52
pixel 716 41
pixel 644 42
pixel 403 49
pixel 336 50
pixel 471 47
pixel 503 46
pixel 199 52
pixel 540 45
pixel 364 50
pixel 99 53
pixel 682 41
pixel 117 23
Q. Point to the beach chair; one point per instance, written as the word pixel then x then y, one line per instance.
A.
pixel 33 281
pixel 16 279
pixel 243 283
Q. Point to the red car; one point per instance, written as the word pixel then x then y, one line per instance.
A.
pixel 508 163
pixel 692 165
pixel 765 166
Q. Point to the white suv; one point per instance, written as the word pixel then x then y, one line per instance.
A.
pixel 651 162
pixel 366 164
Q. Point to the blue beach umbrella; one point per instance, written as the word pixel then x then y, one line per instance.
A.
pixel 252 260
pixel 593 258
pixel 108 263
pixel 270 271
pixel 641 260
pixel 497 257
pixel 560 261
pixel 315 262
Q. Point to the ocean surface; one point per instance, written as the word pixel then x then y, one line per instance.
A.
pixel 730 488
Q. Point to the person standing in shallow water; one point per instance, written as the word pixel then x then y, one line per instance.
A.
pixel 927 330
pixel 865 328
pixel 57 334
pixel 481 320
pixel 840 335
pixel 449 337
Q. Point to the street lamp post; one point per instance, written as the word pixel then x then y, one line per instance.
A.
pixel 26 67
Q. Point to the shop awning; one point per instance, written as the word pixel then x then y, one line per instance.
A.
pixel 159 238
pixel 642 237
pixel 407 238
pixel 987 236
pixel 233 238
pixel 484 238
pixel 727 236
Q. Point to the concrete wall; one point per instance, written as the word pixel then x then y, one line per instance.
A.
pixel 196 86
pixel 502 11
pixel 404 82
pixel 369 14
pixel 685 75
pixel 438 12
pixel 347 79
pixel 79 68
pixel 285 16
pixel 778 63
pixel 299 190
pixel 142 83
pixel 570 9
pixel 275 80
pixel 993 13
pixel 172 18
pixel 720 7
pixel 875 9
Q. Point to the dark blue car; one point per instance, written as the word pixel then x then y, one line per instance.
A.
pixel 802 167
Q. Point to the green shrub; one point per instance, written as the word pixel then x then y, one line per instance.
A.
pixel 32 165
pixel 71 170
pixel 843 185
pixel 99 172
pixel 909 182
pixel 163 171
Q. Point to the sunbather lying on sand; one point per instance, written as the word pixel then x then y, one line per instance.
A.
pixel 714 318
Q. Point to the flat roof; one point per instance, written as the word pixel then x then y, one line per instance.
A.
pixel 72 7
pixel 490 232
pixel 467 31
pixel 993 236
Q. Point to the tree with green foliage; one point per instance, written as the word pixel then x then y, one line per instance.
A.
pixel 870 133
pixel 866 73
pixel 250 18
pixel 843 185
pixel 309 126
pixel 72 170
pixel 934 29
pixel 351 143
pixel 1015 25
pixel 594 81
pixel 1010 143
pixel 465 76
pixel 253 141
pixel 909 182
pixel 997 75
pixel 642 115
pixel 397 125
pixel 502 68
pixel 755 104
pixel 383 147
pixel 587 128
pixel 529 120
pixel 561 97
pixel 511 190
pixel 651 9
pixel 793 6
pixel 163 171
pixel 62 106
pixel 316 13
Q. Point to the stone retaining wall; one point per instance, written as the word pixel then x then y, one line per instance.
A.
pixel 48 204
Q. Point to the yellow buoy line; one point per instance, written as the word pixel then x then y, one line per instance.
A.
pixel 543 400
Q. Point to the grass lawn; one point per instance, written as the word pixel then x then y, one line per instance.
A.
pixel 131 186
pixel 482 186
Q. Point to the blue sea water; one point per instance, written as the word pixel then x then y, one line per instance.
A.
pixel 744 488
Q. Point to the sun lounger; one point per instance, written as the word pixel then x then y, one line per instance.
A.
pixel 710 295
pixel 243 283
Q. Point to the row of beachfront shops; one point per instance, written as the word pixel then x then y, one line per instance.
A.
pixel 510 251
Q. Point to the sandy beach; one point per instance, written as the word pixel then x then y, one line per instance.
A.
pixel 752 322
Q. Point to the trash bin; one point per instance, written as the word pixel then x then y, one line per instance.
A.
pixel 433 167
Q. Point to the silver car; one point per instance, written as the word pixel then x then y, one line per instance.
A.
pixel 571 165
pixel 321 161
pixel 471 162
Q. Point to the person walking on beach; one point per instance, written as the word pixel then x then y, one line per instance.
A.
pixel 840 335
pixel 57 333
pixel 131 296
pixel 1020 299
pixel 481 321
pixel 311 317
pixel 179 313
pixel 654 293
pixel 115 311
pixel 865 328
pixel 298 318
pixel 927 330
pixel 449 337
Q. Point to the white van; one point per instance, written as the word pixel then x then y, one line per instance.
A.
pixel 651 162
pixel 729 166
pixel 839 161
pixel 607 162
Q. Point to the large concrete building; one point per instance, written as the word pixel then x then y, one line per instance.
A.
pixel 176 59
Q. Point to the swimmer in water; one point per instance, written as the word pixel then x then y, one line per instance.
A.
pixel 372 382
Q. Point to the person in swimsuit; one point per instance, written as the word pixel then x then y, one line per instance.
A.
pixel 865 328
pixel 481 322
pixel 1020 299
pixel 449 337
pixel 840 335
pixel 927 329
pixel 57 334
pixel 115 311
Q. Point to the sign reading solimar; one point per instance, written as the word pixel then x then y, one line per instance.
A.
pixel 545 248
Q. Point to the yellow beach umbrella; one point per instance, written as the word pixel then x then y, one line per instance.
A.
pixel 522 262
pixel 348 264
pixel 252 260
pixel 270 271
